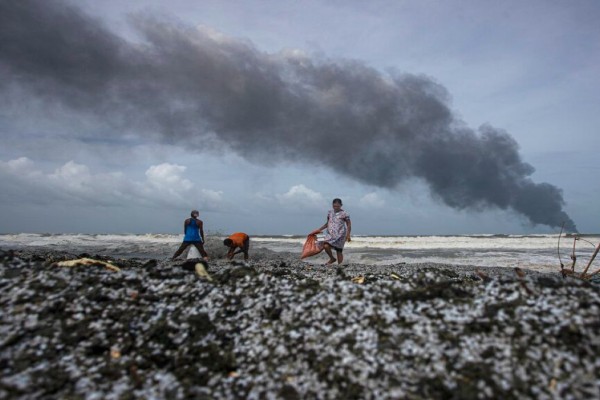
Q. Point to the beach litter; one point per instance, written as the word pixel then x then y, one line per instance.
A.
pixel 279 330
pixel 201 271
pixel 594 276
pixel 86 262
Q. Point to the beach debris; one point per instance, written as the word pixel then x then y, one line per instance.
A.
pixel 86 262
pixel 308 324
pixel 596 250
pixel 359 279
pixel 521 275
pixel 201 271
pixel 562 266
pixel 594 276
pixel 241 263
pixel 395 276
pixel 115 353
pixel 150 264
pixel 573 256
pixel 484 277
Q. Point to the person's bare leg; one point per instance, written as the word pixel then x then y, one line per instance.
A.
pixel 327 248
pixel 340 256
pixel 246 248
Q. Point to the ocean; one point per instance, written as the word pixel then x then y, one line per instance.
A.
pixel 535 252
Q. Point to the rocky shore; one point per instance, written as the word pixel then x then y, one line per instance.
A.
pixel 284 329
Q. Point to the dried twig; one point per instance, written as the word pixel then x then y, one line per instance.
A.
pixel 583 274
pixel 594 273
pixel 521 275
pixel 587 241
pixel 573 256
pixel 562 266
pixel 571 272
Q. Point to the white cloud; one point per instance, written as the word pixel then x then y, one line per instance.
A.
pixel 167 184
pixel 76 184
pixel 22 164
pixel 167 174
pixel 371 200
pixel 302 197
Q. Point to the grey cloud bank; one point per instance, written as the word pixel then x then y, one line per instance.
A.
pixel 196 86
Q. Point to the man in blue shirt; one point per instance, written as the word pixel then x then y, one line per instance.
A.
pixel 194 235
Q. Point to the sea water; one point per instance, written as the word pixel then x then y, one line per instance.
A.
pixel 537 252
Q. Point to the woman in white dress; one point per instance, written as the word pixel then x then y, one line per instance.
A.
pixel 338 232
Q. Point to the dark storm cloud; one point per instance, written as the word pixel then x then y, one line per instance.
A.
pixel 189 84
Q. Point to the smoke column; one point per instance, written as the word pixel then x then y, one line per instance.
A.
pixel 194 85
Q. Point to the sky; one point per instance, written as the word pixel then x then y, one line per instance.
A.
pixel 424 117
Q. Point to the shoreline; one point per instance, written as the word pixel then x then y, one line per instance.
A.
pixel 283 328
pixel 539 254
pixel 262 255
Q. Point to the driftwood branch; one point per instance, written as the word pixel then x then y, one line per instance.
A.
pixel 591 260
pixel 571 271
pixel 573 256
pixel 594 273
pixel 562 266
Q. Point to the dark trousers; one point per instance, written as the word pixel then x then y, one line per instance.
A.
pixel 184 245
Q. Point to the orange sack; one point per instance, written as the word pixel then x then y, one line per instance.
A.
pixel 311 247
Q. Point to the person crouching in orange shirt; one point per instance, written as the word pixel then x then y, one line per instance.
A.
pixel 235 240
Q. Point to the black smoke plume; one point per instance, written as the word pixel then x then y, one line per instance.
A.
pixel 195 85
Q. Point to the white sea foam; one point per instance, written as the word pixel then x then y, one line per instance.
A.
pixel 539 252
